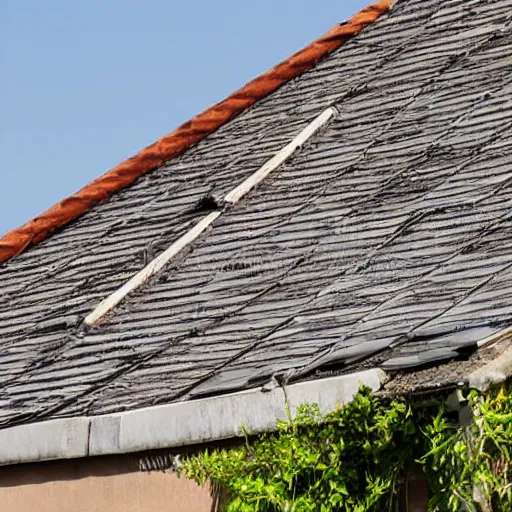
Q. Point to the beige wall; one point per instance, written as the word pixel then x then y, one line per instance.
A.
pixel 97 485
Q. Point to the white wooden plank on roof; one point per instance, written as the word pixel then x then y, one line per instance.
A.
pixel 150 270
pixel 233 197
pixel 252 181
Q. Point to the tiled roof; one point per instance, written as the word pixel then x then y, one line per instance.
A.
pixel 385 240
pixel 193 131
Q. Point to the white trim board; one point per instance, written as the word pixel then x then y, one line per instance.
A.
pixel 177 424
pixel 150 270
pixel 191 235
pixel 282 156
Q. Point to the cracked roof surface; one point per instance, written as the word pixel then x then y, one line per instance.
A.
pixel 385 240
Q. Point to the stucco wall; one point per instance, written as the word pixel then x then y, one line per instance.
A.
pixel 96 485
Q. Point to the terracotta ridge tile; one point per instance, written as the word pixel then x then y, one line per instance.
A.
pixel 178 141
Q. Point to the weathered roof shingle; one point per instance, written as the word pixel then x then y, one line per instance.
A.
pixel 385 240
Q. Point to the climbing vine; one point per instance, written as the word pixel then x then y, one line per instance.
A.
pixel 470 467
pixel 357 458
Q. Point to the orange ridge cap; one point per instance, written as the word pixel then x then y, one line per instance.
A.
pixel 178 141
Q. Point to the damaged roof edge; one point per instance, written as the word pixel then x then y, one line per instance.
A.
pixel 494 373
pixel 190 133
pixel 178 424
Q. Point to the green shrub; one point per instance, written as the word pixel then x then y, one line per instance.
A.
pixel 356 458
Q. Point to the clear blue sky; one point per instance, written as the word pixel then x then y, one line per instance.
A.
pixel 87 84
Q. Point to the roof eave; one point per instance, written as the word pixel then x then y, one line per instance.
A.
pixel 178 424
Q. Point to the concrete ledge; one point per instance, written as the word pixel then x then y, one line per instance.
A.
pixel 493 373
pixel 199 421
pixel 48 440
pixel 178 424
pixel 330 393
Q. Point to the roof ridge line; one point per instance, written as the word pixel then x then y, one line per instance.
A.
pixel 177 142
